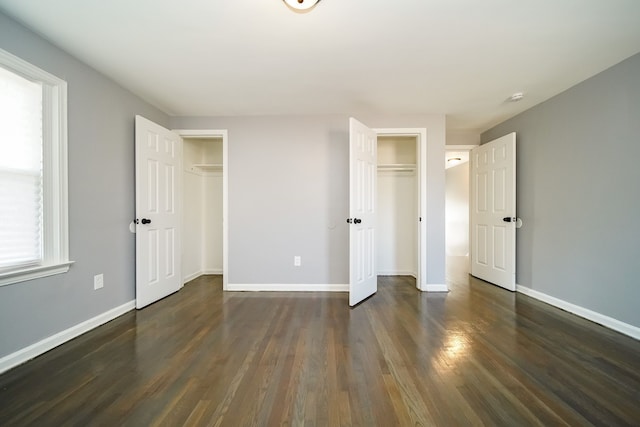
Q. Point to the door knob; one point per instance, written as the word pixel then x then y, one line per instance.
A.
pixel 509 219
pixel 146 221
pixel 357 220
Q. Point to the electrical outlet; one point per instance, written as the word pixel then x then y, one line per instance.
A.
pixel 297 261
pixel 98 281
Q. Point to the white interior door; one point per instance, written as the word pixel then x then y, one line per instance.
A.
pixel 158 240
pixel 493 211
pixel 363 278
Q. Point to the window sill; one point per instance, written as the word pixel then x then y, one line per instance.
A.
pixel 30 273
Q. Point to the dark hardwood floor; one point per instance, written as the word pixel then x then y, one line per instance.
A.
pixel 476 356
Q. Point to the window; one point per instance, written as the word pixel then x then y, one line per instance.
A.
pixel 33 172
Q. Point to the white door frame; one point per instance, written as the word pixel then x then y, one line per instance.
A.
pixel 218 133
pixel 421 170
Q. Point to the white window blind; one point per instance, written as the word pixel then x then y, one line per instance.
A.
pixel 21 171
pixel 34 226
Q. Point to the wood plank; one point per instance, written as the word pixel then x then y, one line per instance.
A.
pixel 201 357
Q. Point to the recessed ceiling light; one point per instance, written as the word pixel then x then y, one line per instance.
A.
pixel 516 97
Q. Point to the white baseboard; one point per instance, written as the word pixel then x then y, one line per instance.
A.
pixel 396 273
pixel 291 287
pixel 435 288
pixel 601 319
pixel 21 356
pixel 197 274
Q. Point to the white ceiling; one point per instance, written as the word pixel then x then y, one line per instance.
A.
pixel 463 58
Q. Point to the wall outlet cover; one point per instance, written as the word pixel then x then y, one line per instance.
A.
pixel 98 281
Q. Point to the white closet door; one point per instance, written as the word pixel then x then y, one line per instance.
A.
pixel 158 206
pixel 363 280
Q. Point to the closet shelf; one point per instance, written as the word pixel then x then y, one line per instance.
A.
pixel 206 167
pixel 397 167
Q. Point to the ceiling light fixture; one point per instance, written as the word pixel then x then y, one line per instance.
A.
pixel 301 5
pixel 454 159
pixel 516 97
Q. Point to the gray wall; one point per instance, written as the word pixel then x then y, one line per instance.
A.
pixel 578 184
pixel 101 200
pixel 288 195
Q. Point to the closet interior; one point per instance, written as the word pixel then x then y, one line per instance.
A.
pixel 397 204
pixel 202 207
